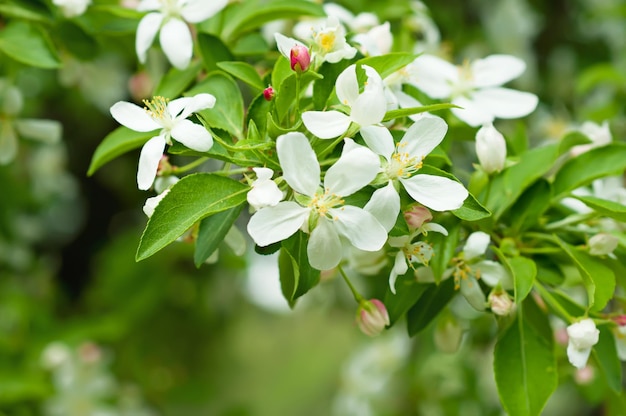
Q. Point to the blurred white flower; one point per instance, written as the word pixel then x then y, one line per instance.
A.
pixel 582 336
pixel 72 8
pixel 376 41
pixel 602 244
pixel 599 134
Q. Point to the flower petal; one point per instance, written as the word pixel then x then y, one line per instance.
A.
pixel 192 135
pixel 285 44
pixel 149 158
pixel 326 124
pixel 434 76
pixel 272 224
pixel 506 103
pixel 435 192
pixel 385 205
pixel 300 167
pixel 471 112
pixel 423 136
pixel 400 266
pixel 360 227
pixel 471 291
pixel 146 32
pixel 379 139
pixel 176 42
pixel 578 357
pixel 324 248
pixel 494 273
pixel 196 11
pixel 369 108
pixel 495 70
pixel 476 244
pixel 193 104
pixel 347 86
pixel 356 168
pixel 132 116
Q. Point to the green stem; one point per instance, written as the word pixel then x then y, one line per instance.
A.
pixel 190 166
pixel 572 219
pixel 357 296
pixel 227 172
pixel 547 296
pixel 297 96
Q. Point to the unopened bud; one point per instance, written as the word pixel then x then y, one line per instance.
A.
pixel 300 58
pixel 372 317
pixel 269 93
pixel 602 244
pixel 620 320
pixel 500 302
pixel 416 216
pixel 490 148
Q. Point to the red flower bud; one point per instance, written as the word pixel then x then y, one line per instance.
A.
pixel 300 58
pixel 268 93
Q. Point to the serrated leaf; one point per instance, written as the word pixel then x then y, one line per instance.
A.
pixel 28 44
pixel 591 165
pixel 605 354
pixel 428 306
pixel 191 199
pixel 387 64
pixel 176 81
pixel 296 274
pixel 116 143
pixel 599 280
pixel 245 72
pixel 212 231
pixel 525 363
pixel 604 207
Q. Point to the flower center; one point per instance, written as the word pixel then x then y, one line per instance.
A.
pixel 402 164
pixel 419 251
pixel 157 109
pixel 325 40
pixel 171 8
pixel 321 203
pixel 462 271
pixel 466 81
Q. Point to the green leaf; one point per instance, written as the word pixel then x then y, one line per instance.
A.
pixel 599 280
pixel 524 271
pixel 605 354
pixel 212 231
pixel 74 38
pixel 286 94
pixel 403 112
pixel 257 112
pixel 444 247
pixel 176 81
pixel 428 306
pixel 611 209
pixel 408 291
pixel 24 11
pixel 525 363
pixel 530 206
pixel 387 64
pixel 507 187
pixel 28 44
pixel 212 51
pixel 227 114
pixel 116 143
pixel 239 20
pixel 296 274
pixel 245 72
pixel 571 139
pixel 191 199
pixel 591 165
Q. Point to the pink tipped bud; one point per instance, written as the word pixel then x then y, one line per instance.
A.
pixel 416 216
pixel 269 93
pixel 372 317
pixel 620 320
pixel 300 58
pixel 500 302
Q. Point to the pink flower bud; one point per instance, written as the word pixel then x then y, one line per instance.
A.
pixel 300 58
pixel 416 216
pixel 500 302
pixel 372 317
pixel 620 320
pixel 268 93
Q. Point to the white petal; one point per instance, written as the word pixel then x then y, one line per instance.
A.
pixel 285 44
pixel 347 86
pixel 355 168
pixel 360 227
pixel 272 224
pixel 369 108
pixel 176 42
pixel 476 244
pixel 300 167
pixel 324 248
pixel 471 291
pixel 494 273
pixel 424 135
pixel 578 357
pixel 196 11
pixel 385 206
pixel 195 104
pixel 133 116
pixel 432 226
pixel 149 158
pixel 506 103
pixel 400 266
pixel 326 124
pixel 192 135
pixel 146 32
pixel 471 112
pixel 379 139
pixel 435 192
pixel 263 174
pixel 264 193
pixel 495 70
pixel 434 76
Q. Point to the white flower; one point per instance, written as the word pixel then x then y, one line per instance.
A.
pixel 171 118
pixel 476 87
pixel 377 41
pixel 151 203
pixel 169 17
pixel 403 162
pixel 365 109
pixel 72 8
pixel 264 192
pixel 490 148
pixel 582 336
pixel 599 134
pixel 321 210
pixel 602 244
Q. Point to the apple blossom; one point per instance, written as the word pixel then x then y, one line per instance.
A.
pixel 372 317
pixel 72 8
pixel 490 148
pixel 602 244
pixel 171 118
pixel 264 191
pixel 582 336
